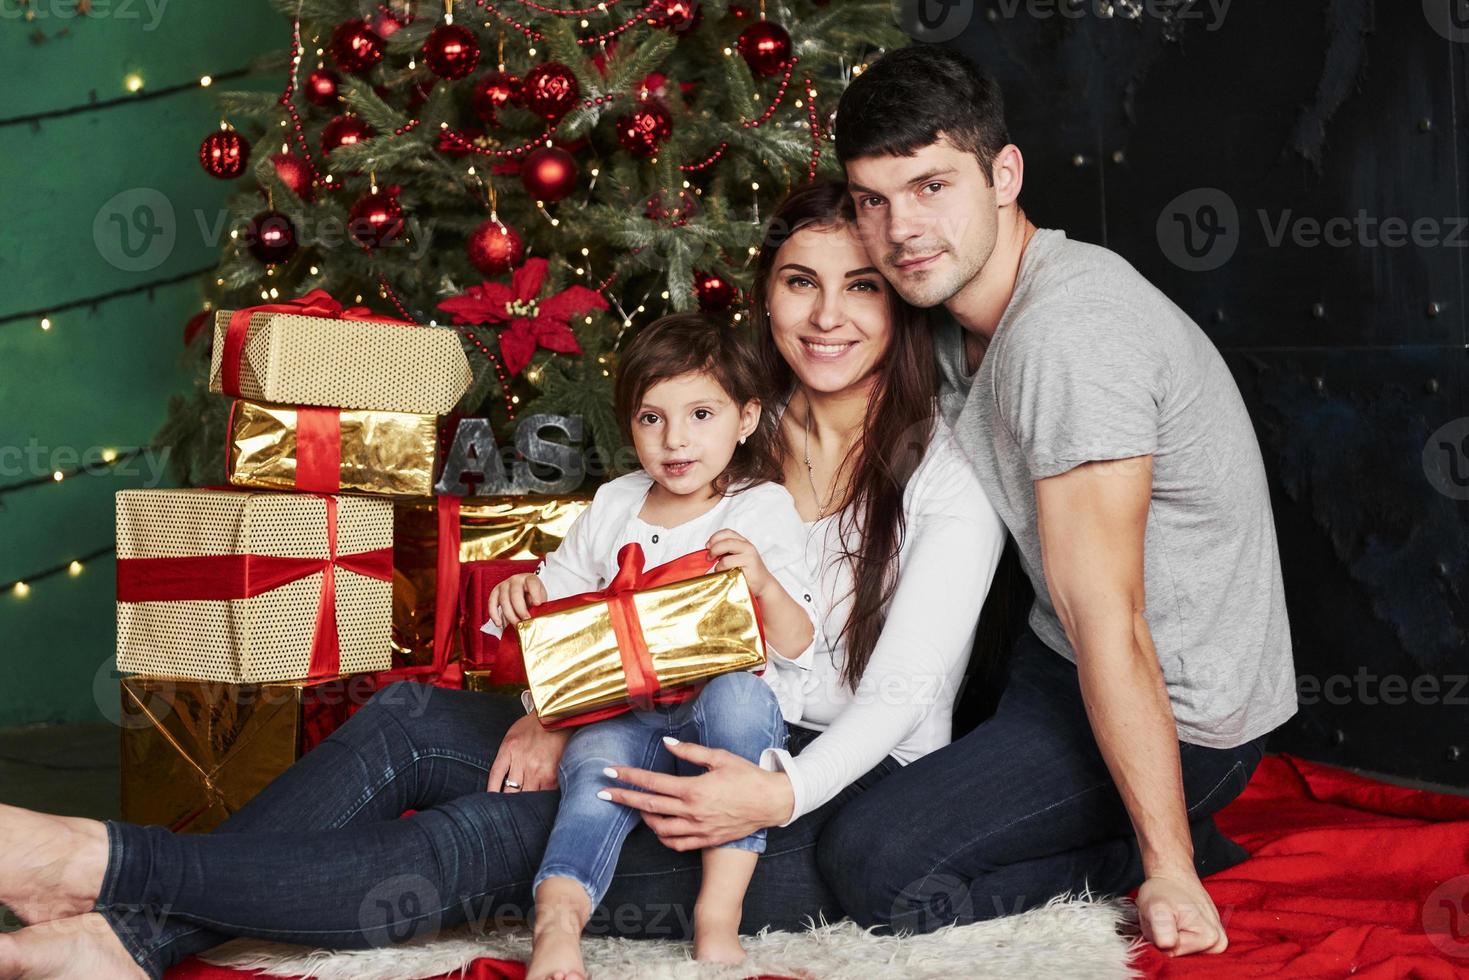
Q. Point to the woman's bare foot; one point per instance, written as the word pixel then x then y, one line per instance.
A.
pixel 50 867
pixel 82 947
pixel 562 910
pixel 717 935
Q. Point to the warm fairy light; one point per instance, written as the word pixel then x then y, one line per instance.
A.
pixel 75 568
pixel 532 52
pixel 133 82
pixel 109 455
pixel 22 590
pixel 585 22
pixel 515 399
pixel 45 323
pixel 315 271
pixel 737 317
pixel 234 233
pixel 665 294
pixel 206 81
pixel 580 271
pixel 586 251
pixel 589 321
pixel 595 171
pixel 754 185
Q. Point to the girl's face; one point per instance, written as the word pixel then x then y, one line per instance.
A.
pixel 830 312
pixel 686 429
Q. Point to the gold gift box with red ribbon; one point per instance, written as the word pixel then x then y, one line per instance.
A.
pixel 331 450
pixel 240 586
pixel 642 640
pixel 314 351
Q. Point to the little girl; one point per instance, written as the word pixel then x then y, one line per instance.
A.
pixel 688 396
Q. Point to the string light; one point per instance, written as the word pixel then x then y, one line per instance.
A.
pixel 21 588
pixel 133 82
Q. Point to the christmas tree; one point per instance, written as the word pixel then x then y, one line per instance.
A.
pixel 544 176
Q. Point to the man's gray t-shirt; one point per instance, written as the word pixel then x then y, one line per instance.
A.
pixel 1091 362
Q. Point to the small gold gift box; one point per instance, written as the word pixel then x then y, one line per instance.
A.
pixel 665 631
pixel 327 450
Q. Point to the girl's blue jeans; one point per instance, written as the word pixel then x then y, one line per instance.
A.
pixel 736 712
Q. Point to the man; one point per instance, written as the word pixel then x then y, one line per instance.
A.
pixel 1111 437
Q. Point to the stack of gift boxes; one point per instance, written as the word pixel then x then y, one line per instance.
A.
pixel 252 619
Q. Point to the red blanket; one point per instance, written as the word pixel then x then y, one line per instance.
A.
pixel 1347 877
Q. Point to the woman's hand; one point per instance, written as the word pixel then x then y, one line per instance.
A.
pixel 728 549
pixel 527 758
pixel 733 799
pixel 510 601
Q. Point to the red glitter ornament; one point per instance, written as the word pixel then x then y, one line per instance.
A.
pixel 451 51
pixel 644 129
pixel 344 131
pixel 270 237
pixel 294 173
pixel 765 46
pixel 494 248
pixel 549 173
pixel 679 16
pixel 716 295
pixel 224 154
pixel 356 47
pixel 386 24
pixel 376 220
pixel 550 90
pixel 322 88
pixel 493 90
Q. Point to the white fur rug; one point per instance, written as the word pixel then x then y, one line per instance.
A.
pixel 1063 940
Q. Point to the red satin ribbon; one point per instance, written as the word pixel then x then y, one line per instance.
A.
pixel 318 302
pixel 243 576
pixel 439 672
pixel 643 685
pixel 318 449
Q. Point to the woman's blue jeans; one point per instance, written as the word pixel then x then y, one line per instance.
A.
pixel 321 856
pixel 736 712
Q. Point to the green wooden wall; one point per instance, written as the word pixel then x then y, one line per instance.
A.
pixel 71 181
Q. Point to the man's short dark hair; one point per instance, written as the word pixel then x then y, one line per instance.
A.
pixel 909 96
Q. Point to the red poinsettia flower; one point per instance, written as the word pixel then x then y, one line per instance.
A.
pixel 532 321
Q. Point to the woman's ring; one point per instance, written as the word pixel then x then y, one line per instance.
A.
pixel 512 784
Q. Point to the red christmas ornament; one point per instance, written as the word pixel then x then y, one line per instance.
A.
pixel 224 154
pixel 677 212
pixel 679 16
pixel 493 90
pixel 644 129
pixel 321 88
pixel 294 173
pixel 344 131
pixel 451 51
pixel 495 248
pixel 356 47
pixel 550 90
pixel 765 46
pixel 376 220
pixel 386 24
pixel 271 237
pixel 715 294
pixel 549 173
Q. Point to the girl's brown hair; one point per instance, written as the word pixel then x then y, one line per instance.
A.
pixel 692 343
pixel 895 433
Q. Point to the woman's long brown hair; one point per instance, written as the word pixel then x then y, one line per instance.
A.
pixel 895 432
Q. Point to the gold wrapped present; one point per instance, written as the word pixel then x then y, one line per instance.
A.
pixel 194 752
pixel 508 527
pixel 646 635
pixel 331 450
pixel 311 351
pixel 252 587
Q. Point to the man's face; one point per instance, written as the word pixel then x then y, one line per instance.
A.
pixel 929 221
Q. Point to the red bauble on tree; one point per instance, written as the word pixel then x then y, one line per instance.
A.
pixel 676 212
pixel 716 295
pixel 765 46
pixel 385 23
pixel 549 173
pixel 495 248
pixel 495 89
pixel 321 88
pixel 224 154
pixel 376 220
pixel 642 131
pixel 294 173
pixel 451 51
pixel 356 47
pixel 550 90
pixel 679 16
pixel 271 237
pixel 344 131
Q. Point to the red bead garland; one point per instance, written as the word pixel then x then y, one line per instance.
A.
pixel 647 13
pixel 288 99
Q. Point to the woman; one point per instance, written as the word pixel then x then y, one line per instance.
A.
pixel 904 545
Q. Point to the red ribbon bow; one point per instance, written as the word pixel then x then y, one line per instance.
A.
pixel 318 302
pixel 240 576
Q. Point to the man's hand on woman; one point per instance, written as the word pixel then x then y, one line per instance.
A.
pixel 527 758
pixel 733 799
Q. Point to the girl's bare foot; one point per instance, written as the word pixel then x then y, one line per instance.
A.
pixel 717 935
pixel 82 947
pixel 50 867
pixel 562 910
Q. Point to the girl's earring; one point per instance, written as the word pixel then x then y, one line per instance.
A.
pixel 742 440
